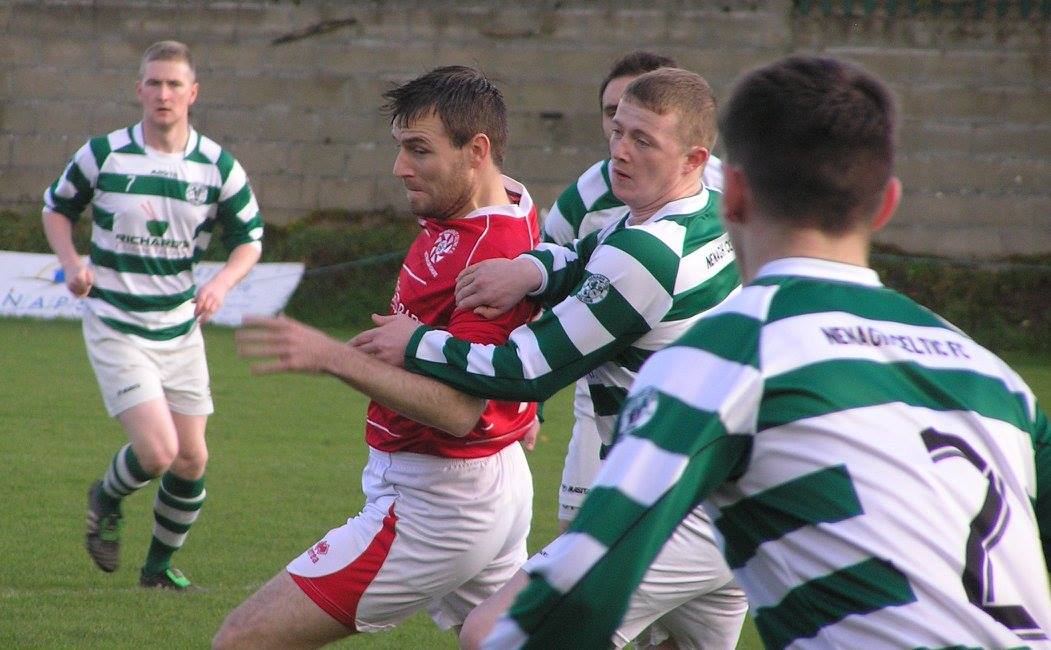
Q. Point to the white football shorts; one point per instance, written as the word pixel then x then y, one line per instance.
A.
pixel 582 455
pixel 129 373
pixel 688 593
pixel 436 533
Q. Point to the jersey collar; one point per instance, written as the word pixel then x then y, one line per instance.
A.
pixel 811 267
pixel 685 205
pixel 140 139
pixel 520 210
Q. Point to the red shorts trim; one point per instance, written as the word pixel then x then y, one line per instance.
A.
pixel 339 593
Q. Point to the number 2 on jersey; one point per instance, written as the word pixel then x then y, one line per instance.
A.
pixel 987 528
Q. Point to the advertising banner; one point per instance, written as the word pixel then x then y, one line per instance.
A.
pixel 33 285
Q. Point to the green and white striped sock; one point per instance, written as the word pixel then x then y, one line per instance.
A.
pixel 177 505
pixel 124 476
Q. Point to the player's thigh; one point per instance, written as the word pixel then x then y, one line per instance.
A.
pixel 429 526
pixel 491 524
pixel 581 465
pixel 361 556
pixel 184 375
pixel 279 615
pixel 127 375
pixel 689 569
pixel 712 620
pixel 452 609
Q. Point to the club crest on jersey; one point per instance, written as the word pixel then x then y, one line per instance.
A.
pixel 315 552
pixel 638 410
pixel 196 193
pixel 594 289
pixel 443 246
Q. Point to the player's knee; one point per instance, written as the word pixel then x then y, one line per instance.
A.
pixel 230 636
pixel 221 640
pixel 191 464
pixel 156 459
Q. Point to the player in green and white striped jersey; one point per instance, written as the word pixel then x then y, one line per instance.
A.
pixel 157 191
pixel 616 296
pixel 879 480
pixel 585 207
pixel 154 213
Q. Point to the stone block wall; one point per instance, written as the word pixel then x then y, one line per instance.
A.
pixel 293 90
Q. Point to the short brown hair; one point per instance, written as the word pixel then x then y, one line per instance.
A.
pixel 633 64
pixel 167 51
pixel 464 100
pixel 815 139
pixel 686 94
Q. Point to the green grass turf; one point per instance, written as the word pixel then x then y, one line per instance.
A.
pixel 286 457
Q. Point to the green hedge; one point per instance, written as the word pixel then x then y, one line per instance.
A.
pixel 333 293
pixel 1005 306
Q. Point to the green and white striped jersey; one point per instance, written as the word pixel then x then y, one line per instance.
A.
pixel 586 206
pixel 878 479
pixel 153 217
pixel 621 294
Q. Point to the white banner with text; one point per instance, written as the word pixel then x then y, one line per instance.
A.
pixel 33 285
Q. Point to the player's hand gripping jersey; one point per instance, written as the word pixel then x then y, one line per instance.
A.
pixel 621 294
pixel 425 291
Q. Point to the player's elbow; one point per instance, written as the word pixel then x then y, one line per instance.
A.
pixel 464 417
pixel 536 390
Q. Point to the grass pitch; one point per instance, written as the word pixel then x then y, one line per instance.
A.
pixel 286 459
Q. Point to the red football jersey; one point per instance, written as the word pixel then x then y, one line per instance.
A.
pixel 425 291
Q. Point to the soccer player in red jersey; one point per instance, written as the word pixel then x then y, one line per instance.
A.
pixel 448 492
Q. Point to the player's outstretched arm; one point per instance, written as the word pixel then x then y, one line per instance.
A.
pixel 286 345
pixel 210 297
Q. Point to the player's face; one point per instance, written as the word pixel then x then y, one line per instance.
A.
pixel 610 99
pixel 648 159
pixel 435 173
pixel 166 91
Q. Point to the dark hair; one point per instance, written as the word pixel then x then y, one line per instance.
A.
pixel 633 64
pixel 815 139
pixel 685 93
pixel 465 101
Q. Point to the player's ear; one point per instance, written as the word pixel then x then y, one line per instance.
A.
pixel 888 203
pixel 736 196
pixel 478 148
pixel 696 157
